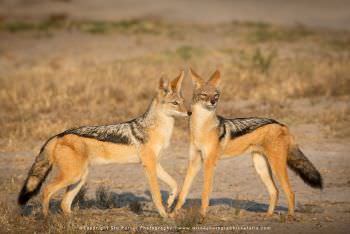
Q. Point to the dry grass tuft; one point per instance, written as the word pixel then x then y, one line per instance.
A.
pixel 189 218
pixel 262 32
pixel 136 207
pixel 80 199
pixel 104 198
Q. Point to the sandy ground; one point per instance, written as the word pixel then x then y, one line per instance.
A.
pixel 238 198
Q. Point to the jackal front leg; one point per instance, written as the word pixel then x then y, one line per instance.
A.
pixel 166 178
pixel 149 162
pixel 209 166
pixel 194 165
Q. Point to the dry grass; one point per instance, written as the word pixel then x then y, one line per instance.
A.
pixel 61 22
pixel 48 96
pixel 12 221
pixel 95 212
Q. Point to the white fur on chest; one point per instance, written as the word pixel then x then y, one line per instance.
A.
pixel 200 121
pixel 165 131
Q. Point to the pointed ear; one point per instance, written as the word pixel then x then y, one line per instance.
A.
pixel 215 79
pixel 196 79
pixel 176 83
pixel 163 85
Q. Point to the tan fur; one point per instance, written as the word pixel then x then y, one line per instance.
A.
pixel 73 154
pixel 272 141
pixel 269 146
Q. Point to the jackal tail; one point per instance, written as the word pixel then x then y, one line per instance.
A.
pixel 37 173
pixel 302 166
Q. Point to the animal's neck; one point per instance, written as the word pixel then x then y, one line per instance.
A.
pixel 156 117
pixel 201 117
pixel 160 124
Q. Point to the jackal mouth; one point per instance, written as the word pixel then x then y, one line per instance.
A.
pixel 176 114
pixel 210 106
pixel 182 114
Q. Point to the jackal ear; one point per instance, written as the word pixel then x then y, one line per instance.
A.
pixel 163 85
pixel 215 79
pixel 196 79
pixel 176 83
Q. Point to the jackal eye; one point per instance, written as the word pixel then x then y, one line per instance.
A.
pixel 175 103
pixel 203 95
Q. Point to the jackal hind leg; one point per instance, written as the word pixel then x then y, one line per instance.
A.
pixel 277 157
pixel 49 190
pixel 70 168
pixel 263 169
pixel 72 191
pixel 59 182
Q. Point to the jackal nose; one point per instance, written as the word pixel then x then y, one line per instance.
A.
pixel 189 113
pixel 213 101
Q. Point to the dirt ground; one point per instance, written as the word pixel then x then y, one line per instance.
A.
pixel 65 64
pixel 238 200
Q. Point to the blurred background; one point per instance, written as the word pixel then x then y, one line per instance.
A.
pixel 319 13
pixel 65 63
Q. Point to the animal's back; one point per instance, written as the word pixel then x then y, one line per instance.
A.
pixel 240 126
pixel 131 132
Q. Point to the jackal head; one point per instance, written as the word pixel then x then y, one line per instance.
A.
pixel 170 98
pixel 206 93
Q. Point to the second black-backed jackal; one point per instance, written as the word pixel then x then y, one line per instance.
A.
pixel 137 141
pixel 214 137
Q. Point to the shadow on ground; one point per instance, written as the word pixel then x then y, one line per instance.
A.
pixel 232 203
pixel 105 199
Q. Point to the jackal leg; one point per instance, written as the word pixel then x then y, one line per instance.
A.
pixel 209 166
pixel 194 166
pixel 70 166
pixel 61 181
pixel 72 191
pixel 263 169
pixel 57 183
pixel 149 162
pixel 166 178
pixel 278 162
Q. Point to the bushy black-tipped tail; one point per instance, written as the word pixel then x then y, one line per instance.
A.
pixel 301 165
pixel 36 176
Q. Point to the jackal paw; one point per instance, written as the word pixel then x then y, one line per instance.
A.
pixel 163 214
pixel 291 217
pixel 172 215
pixel 201 219
pixel 268 214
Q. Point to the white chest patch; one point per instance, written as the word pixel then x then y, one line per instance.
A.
pixel 199 121
pixel 165 132
pixel 167 136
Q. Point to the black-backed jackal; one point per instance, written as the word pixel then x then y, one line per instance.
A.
pixel 137 141
pixel 214 137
